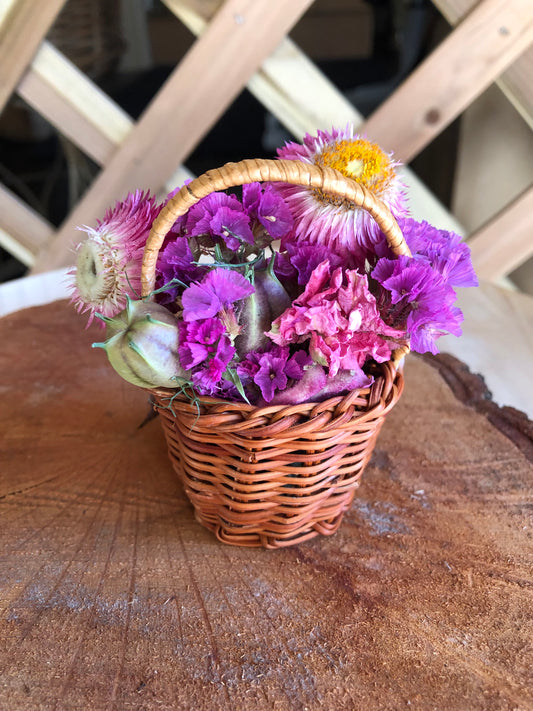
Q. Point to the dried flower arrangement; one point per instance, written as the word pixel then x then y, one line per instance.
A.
pixel 270 325
pixel 283 295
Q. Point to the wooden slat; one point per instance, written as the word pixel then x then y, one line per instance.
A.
pixel 195 14
pixel 517 85
pixel 210 76
pixel 294 90
pixel 78 108
pixel 24 23
pixel 288 84
pixel 23 232
pixel 461 67
pixel 516 82
pixel 72 103
pixel 506 241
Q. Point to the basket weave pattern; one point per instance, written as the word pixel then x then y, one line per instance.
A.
pixel 279 475
pixel 275 476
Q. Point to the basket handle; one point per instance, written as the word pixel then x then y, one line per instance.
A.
pixel 264 170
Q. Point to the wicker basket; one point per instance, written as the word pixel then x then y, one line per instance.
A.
pixel 274 476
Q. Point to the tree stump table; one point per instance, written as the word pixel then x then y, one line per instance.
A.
pixel 113 597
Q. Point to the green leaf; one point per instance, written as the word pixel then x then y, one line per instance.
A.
pixel 232 376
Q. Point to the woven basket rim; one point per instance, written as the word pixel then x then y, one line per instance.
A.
pixel 325 179
pixel 317 406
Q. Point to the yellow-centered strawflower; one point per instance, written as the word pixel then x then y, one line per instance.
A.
pixel 108 264
pixel 325 219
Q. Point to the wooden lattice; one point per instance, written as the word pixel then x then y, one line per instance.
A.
pixel 491 43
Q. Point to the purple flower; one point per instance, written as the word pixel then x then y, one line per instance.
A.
pixel 426 326
pixel 305 257
pixel 206 349
pixel 175 261
pixel 207 379
pixel 220 215
pixel 295 365
pixel 264 204
pixel 199 340
pixel 271 375
pixel 421 300
pixel 218 290
pixel 285 271
pixel 233 226
pixel 272 370
pixel 411 279
pixel 444 251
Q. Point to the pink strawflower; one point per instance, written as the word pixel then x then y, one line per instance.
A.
pixel 108 265
pixel 324 219
pixel 339 316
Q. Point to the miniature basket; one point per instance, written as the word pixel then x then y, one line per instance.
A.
pixel 279 475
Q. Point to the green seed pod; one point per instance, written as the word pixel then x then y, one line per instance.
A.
pixel 268 301
pixel 142 345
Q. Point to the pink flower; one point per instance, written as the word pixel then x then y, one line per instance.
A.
pixel 323 219
pixel 108 267
pixel 339 316
pixel 205 348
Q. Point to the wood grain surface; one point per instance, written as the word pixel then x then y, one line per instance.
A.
pixel 113 597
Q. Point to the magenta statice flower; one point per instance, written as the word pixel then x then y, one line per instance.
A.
pixel 175 262
pixel 108 263
pixel 271 370
pixel 421 300
pixel 207 380
pixel 305 257
pixel 217 291
pixel 199 341
pixel 323 219
pixel 339 317
pixel 265 205
pixel 223 216
pixel 205 349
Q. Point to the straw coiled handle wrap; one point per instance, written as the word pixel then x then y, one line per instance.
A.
pixel 247 171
